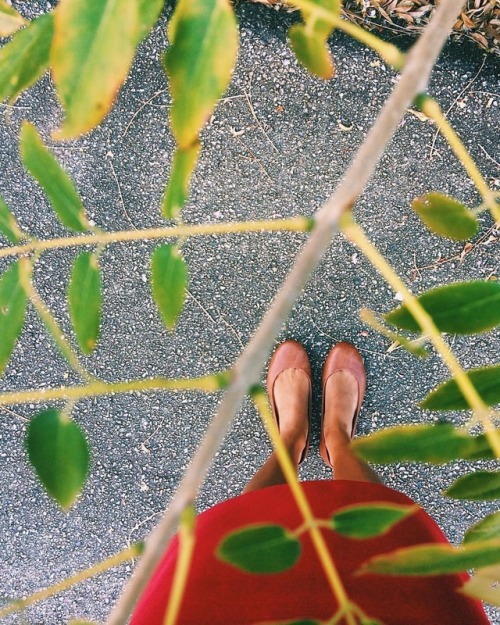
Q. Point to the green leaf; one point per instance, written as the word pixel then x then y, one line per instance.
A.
pixel 484 585
pixel 10 20
pixel 177 189
pixel 461 308
pixel 478 486
pixel 12 311
pixel 60 455
pixel 486 529
pixel 149 12
pixel 84 296
pixel 170 278
pixel 312 51
pixel 199 63
pixel 435 443
pixel 8 225
pixel 260 549
pixel 447 396
pixel 25 58
pixel 435 559
pixel 362 521
pixel 94 45
pixel 56 183
pixel 445 216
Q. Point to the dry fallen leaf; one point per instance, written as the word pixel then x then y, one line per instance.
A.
pixel 421 116
pixel 467 248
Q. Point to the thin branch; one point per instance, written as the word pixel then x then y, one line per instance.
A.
pixel 454 103
pixel 184 560
pixel 50 322
pixel 356 234
pixel 247 369
pixel 78 578
pixel 432 109
pixel 208 383
pixel 329 567
pixel 295 224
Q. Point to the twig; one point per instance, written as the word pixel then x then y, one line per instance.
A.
pixel 488 156
pixel 295 224
pixel 257 121
pixel 143 105
pixel 97 388
pixel 247 369
pixel 50 322
pixel 254 157
pixel 14 414
pixel 117 182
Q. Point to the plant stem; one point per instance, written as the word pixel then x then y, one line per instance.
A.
pixel 295 224
pixel 247 369
pixel 390 53
pixel 184 558
pixel 431 108
pixel 366 315
pixel 97 569
pixel 260 399
pixel 356 234
pixel 208 383
pixel 50 322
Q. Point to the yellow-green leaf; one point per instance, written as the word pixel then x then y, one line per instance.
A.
pixel 56 183
pixel 315 23
pixel 94 45
pixel 447 396
pixel 484 585
pixel 26 57
pixel 445 216
pixel 461 308
pixel 478 486
pixel 362 521
pixel 177 190
pixel 435 559
pixel 486 529
pixel 260 549
pixel 435 443
pixel 12 311
pixel 169 276
pixel 60 455
pixel 84 297
pixel 8 225
pixel 10 20
pixel 312 51
pixel 199 62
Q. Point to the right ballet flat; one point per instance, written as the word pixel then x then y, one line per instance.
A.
pixel 343 357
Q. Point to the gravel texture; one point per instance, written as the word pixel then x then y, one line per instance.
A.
pixel 276 146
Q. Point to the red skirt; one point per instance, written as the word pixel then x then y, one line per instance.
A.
pixel 217 593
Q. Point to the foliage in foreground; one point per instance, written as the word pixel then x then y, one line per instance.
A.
pixel 199 61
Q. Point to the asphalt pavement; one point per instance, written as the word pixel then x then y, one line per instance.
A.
pixel 277 145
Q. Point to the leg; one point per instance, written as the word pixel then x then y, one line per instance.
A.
pixel 291 394
pixel 341 396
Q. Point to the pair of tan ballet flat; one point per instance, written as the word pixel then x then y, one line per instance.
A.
pixel 343 357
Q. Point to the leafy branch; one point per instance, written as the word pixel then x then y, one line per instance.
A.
pixel 247 369
pixel 196 84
